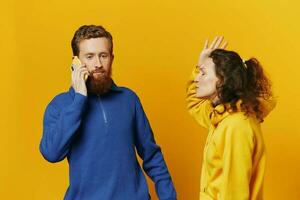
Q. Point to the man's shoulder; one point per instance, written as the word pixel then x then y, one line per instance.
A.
pixel 128 92
pixel 62 99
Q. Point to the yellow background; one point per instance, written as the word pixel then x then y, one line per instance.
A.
pixel 156 45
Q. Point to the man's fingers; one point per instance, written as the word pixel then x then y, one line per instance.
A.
pixel 82 69
pixel 72 77
pixel 84 73
pixel 83 65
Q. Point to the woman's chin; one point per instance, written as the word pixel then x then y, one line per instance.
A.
pixel 203 95
pixel 199 93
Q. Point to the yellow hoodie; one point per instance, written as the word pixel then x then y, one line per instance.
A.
pixel 233 164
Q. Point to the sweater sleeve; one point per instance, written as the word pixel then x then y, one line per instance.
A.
pixel 197 107
pixel 59 127
pixel 153 162
pixel 237 162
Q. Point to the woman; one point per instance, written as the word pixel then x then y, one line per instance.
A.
pixel 230 97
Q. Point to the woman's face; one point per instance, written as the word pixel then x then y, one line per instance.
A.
pixel 206 80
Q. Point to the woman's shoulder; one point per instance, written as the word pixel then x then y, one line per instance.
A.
pixel 239 120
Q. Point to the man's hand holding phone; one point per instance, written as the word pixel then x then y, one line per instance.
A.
pixel 79 76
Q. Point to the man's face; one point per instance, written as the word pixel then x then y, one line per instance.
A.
pixel 96 54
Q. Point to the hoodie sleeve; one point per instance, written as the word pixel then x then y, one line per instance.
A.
pixel 59 127
pixel 199 108
pixel 237 152
pixel 153 162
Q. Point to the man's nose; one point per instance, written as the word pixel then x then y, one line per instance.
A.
pixel 98 63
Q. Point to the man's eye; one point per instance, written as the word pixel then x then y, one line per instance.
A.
pixel 89 57
pixel 104 56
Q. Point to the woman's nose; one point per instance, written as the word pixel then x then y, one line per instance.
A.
pixel 197 77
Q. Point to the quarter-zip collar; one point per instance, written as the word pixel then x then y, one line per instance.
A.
pixel 114 88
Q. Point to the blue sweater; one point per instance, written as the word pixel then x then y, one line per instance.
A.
pixel 99 135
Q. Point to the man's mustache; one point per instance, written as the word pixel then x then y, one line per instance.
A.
pixel 99 71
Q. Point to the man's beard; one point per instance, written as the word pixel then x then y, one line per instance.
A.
pixel 100 84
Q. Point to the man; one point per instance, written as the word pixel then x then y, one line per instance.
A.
pixel 98 125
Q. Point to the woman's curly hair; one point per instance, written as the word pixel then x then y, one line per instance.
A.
pixel 240 79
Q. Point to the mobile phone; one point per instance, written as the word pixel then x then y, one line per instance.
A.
pixel 77 63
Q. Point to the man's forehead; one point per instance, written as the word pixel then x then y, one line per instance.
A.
pixel 98 39
pixel 94 45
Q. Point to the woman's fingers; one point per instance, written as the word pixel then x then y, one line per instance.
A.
pixel 216 43
pixel 219 41
pixel 206 44
pixel 212 45
pixel 224 45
